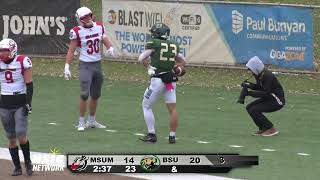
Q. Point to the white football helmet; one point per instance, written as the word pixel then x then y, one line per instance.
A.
pixel 8 49
pixel 82 13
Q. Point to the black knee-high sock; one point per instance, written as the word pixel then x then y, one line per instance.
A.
pixel 14 152
pixel 26 152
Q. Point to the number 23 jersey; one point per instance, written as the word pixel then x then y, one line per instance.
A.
pixel 88 40
pixel 11 75
pixel 164 53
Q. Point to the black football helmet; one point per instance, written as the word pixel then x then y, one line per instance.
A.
pixel 160 31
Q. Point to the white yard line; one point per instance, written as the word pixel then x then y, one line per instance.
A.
pixel 111 130
pixel 139 134
pixel 268 150
pixel 203 142
pixel 303 154
pixel 235 146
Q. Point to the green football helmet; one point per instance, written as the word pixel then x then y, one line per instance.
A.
pixel 160 31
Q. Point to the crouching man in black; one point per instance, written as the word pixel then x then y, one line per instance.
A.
pixel 270 96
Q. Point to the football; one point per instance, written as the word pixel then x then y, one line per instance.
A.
pixel 179 70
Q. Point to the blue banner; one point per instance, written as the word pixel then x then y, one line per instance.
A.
pixel 279 35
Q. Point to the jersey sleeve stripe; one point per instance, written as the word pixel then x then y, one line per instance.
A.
pixel 20 60
pixel 76 30
pixel 100 24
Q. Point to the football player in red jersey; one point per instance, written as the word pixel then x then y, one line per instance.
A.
pixel 87 38
pixel 15 103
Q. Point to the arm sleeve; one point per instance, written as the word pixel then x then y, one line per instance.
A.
pixel 72 35
pixel 265 90
pixel 27 63
pixel 255 87
pixel 29 93
pixel 144 55
pixel 150 45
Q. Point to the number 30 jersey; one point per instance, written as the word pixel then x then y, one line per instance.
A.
pixel 164 53
pixel 11 75
pixel 88 41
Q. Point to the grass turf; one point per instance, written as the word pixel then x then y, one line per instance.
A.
pixel 207 113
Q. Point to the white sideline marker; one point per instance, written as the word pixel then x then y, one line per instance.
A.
pixel 203 142
pixel 235 146
pixel 268 150
pixel 303 154
pixel 111 130
pixel 139 134
pixel 52 123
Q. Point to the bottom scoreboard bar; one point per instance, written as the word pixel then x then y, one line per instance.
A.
pixel 160 169
pixel 158 163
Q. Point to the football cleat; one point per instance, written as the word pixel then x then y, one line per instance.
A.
pixel 172 139
pixel 29 168
pixel 17 172
pixel 152 138
pixel 95 124
pixel 81 127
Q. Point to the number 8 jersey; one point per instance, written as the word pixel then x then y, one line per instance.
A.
pixel 11 75
pixel 88 41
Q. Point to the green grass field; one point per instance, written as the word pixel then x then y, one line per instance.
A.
pixel 208 112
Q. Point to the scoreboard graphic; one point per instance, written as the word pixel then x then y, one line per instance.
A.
pixel 158 163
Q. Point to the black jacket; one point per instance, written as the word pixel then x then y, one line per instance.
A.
pixel 268 87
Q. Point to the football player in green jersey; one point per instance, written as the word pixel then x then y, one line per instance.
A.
pixel 164 64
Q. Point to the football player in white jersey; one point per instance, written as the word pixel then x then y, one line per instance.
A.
pixel 15 103
pixel 87 38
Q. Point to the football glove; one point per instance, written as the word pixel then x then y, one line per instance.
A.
pixel 151 70
pixel 67 73
pixel 247 84
pixel 110 52
pixel 27 109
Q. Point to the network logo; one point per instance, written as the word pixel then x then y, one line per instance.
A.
pixel 237 22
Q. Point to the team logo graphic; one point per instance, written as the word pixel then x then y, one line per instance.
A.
pixel 150 163
pixel 237 22
pixel 79 164
pixel 12 45
pixel 112 17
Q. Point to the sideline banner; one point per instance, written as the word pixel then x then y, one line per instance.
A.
pixel 38 26
pixel 215 33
